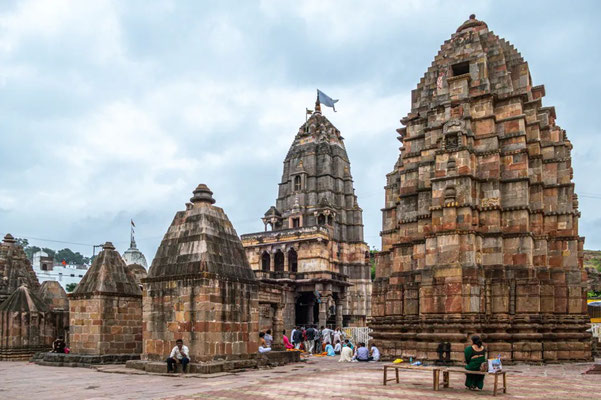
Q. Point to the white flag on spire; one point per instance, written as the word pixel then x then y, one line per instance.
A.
pixel 326 100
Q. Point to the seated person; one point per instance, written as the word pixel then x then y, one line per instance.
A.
pixel 287 343
pixel 375 353
pixel 268 338
pixel 362 353
pixel 330 350
pixel 338 347
pixel 349 344
pixel 179 353
pixel 263 348
pixel 346 355
pixel 58 346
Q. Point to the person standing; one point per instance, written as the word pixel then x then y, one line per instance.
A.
pixel 178 354
pixel 338 335
pixel 309 339
pixel 326 334
pixel 318 348
pixel 475 355
pixel 297 337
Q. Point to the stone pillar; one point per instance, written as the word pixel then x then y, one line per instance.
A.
pixel 278 327
pixel 339 312
pixel 323 313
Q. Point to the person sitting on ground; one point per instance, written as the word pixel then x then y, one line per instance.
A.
pixel 179 353
pixel 287 343
pixel 263 348
pixel 346 354
pixel 349 344
pixel 362 354
pixel 330 350
pixel 375 353
pixel 338 347
pixel 268 338
pixel 58 346
pixel 475 355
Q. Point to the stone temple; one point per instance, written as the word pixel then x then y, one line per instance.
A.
pixel 200 287
pixel 314 248
pixel 480 225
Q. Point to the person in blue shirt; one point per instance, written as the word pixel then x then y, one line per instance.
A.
pixel 330 349
pixel 362 353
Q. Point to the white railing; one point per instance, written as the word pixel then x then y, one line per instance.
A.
pixel 357 334
pixel 596 330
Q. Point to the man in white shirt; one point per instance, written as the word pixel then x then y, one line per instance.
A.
pixel 180 353
pixel 375 353
pixel 326 334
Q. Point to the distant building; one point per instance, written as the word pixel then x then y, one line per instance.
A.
pixel 47 270
pixel 133 255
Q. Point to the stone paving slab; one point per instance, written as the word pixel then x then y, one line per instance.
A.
pixel 318 378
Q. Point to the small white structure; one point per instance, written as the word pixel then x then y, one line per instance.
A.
pixel 133 255
pixel 46 270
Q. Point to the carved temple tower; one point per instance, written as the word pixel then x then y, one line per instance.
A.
pixel 315 248
pixel 480 225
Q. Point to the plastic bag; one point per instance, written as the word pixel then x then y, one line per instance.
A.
pixel 495 365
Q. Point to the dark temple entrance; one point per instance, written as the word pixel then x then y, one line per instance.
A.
pixel 306 309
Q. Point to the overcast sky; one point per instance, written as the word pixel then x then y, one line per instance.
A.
pixel 111 110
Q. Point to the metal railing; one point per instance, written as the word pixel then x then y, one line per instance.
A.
pixel 596 330
pixel 357 334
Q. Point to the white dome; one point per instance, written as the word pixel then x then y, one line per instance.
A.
pixel 134 256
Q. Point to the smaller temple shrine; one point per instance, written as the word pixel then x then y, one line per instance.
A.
pixel 106 309
pixel 15 268
pixel 53 294
pixel 26 325
pixel 200 287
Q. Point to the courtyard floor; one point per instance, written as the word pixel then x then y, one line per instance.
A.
pixel 317 378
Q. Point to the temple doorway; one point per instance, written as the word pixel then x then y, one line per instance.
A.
pixel 306 309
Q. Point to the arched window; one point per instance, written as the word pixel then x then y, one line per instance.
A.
pixel 44 267
pixel 279 261
pixel 321 219
pixel 265 261
pixel 292 261
pixel 297 183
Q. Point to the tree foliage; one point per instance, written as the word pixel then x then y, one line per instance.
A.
pixel 71 287
pixel 66 254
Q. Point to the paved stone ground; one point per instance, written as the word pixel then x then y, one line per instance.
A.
pixel 319 378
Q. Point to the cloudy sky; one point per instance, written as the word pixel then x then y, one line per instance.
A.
pixel 111 110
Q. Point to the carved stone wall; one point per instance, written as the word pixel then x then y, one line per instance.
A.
pixel 480 224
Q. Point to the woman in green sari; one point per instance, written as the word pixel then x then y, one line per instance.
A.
pixel 475 355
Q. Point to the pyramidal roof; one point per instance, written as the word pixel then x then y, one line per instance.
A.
pixel 108 275
pixel 24 300
pixel 201 239
pixel 15 268
pixel 54 295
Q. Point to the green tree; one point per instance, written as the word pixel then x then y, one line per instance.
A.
pixel 71 287
pixel 50 252
pixel 70 257
pixel 372 262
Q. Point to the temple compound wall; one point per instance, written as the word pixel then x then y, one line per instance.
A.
pixel 106 309
pixel 314 248
pixel 480 224
pixel 200 287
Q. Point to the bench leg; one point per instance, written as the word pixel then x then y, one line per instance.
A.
pixel 385 375
pixel 435 379
pixel 397 375
pixel 445 379
pixel 494 393
pixel 504 383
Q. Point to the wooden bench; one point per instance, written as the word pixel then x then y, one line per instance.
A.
pixel 435 373
pixel 446 372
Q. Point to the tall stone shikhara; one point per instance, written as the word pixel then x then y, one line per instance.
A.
pixel 480 225
pixel 315 247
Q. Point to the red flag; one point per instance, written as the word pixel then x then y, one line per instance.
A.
pixel 64 262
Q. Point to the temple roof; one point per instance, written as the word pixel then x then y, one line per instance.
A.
pixel 201 239
pixel 108 275
pixel 273 212
pixel 24 300
pixel 472 22
pixel 15 268
pixel 133 255
pixel 54 295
